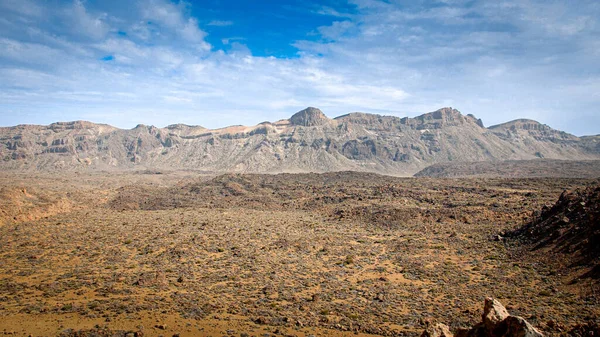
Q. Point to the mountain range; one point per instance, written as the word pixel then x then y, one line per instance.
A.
pixel 308 141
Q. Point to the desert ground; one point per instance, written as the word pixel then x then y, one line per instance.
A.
pixel 183 253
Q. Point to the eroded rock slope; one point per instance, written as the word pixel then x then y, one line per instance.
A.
pixel 307 142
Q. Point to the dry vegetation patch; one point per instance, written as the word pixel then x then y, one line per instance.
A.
pixel 322 254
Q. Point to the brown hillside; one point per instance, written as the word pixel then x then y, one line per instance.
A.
pixel 514 168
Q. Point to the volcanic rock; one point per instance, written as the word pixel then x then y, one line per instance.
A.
pixel 493 313
pixel 495 322
pixel 437 330
pixel 570 229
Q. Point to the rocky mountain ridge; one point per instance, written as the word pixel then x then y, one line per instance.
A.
pixel 307 142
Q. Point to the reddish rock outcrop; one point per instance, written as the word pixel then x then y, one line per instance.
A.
pixel 495 322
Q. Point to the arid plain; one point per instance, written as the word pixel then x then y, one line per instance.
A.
pixel 183 253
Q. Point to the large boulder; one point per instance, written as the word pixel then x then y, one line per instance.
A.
pixel 495 322
pixel 515 326
pixel 493 313
pixel 437 330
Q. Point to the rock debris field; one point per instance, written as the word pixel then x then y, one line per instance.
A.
pixel 335 254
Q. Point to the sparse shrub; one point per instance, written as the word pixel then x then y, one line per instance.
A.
pixel 349 260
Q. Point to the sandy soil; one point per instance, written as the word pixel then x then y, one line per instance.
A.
pixel 285 255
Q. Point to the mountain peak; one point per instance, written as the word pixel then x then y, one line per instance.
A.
pixel 309 117
pixel 444 113
pixel 446 117
pixel 521 124
pixel 74 125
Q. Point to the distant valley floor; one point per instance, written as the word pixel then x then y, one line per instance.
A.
pixel 537 168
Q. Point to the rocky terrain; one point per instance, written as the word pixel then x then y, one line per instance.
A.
pixel 514 168
pixel 570 230
pixel 495 321
pixel 307 142
pixel 337 254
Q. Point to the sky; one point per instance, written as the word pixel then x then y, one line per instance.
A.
pixel 228 62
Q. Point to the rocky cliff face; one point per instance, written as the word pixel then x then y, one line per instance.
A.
pixel 531 136
pixel 309 117
pixel 307 142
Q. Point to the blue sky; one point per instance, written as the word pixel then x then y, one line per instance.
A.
pixel 216 62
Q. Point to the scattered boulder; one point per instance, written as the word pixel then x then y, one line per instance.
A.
pixel 584 330
pixel 152 279
pixel 495 322
pixel 437 330
pixel 493 313
pixel 518 327
pixel 100 332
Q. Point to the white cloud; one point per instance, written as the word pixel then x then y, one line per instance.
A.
pixel 229 40
pixel 28 79
pixel 140 30
pixel 32 53
pixel 220 23
pixel 174 18
pixel 496 60
pixel 25 7
pixel 336 30
pixel 371 4
pixel 192 33
pixel 86 24
pixel 164 12
pixel 326 10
